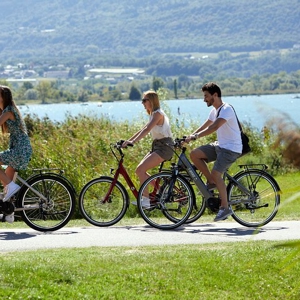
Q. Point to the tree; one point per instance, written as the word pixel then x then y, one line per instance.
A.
pixel 83 96
pixel 134 93
pixel 175 89
pixel 27 85
pixel 157 83
pixel 44 89
pixel 31 94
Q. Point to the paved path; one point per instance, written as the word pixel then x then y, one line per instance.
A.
pixel 196 233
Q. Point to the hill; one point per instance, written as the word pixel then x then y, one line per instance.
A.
pixel 82 29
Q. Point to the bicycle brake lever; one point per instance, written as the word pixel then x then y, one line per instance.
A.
pixel 118 144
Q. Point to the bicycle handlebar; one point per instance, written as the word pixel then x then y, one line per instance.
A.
pixel 119 144
pixel 178 142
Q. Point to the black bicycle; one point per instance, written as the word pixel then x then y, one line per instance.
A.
pixel 253 194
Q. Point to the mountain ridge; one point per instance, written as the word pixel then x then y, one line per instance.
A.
pixel 77 28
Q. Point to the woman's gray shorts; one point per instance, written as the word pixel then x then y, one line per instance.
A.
pixel 223 158
pixel 162 149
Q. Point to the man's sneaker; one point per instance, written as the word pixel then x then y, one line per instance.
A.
pixel 223 214
pixel 145 202
pixel 10 190
pixel 8 218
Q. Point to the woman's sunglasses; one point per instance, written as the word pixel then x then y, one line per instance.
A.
pixel 144 100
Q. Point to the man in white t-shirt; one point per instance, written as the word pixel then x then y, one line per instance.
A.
pixel 224 151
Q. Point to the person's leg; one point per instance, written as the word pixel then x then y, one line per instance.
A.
pixel 224 160
pixel 4 178
pixel 150 161
pixel 10 188
pixel 221 187
pixel 200 156
pixel 10 173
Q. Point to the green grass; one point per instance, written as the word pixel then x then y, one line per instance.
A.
pixel 245 270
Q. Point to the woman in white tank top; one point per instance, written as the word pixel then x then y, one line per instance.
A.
pixel 159 128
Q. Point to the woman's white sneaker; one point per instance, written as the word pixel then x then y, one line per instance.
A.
pixel 10 190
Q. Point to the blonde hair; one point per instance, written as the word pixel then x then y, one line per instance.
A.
pixel 153 99
pixel 8 101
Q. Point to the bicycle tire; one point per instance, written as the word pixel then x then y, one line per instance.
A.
pixel 169 210
pixel 92 207
pixel 199 204
pixel 56 211
pixel 259 208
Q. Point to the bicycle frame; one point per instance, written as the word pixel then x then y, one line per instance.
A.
pixel 31 188
pixel 184 162
pixel 25 183
pixel 121 170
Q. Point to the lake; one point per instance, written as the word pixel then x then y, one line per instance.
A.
pixel 253 109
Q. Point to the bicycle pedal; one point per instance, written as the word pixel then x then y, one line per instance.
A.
pixel 213 204
pixel 7 207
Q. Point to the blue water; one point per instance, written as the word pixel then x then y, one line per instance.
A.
pixel 256 110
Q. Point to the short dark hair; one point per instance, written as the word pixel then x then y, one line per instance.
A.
pixel 212 88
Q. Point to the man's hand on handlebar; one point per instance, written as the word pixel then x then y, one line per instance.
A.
pixel 191 137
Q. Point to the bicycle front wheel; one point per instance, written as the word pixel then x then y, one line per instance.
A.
pixel 50 214
pixel 103 203
pixel 254 199
pixel 171 200
pixel 199 204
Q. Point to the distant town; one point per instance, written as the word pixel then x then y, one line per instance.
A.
pixel 21 73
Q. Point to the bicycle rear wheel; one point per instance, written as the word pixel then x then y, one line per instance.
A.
pixel 101 204
pixel 53 213
pixel 259 205
pixel 171 200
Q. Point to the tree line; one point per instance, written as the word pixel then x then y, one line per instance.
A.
pixel 56 91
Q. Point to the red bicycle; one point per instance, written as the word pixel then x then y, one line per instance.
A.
pixel 103 201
